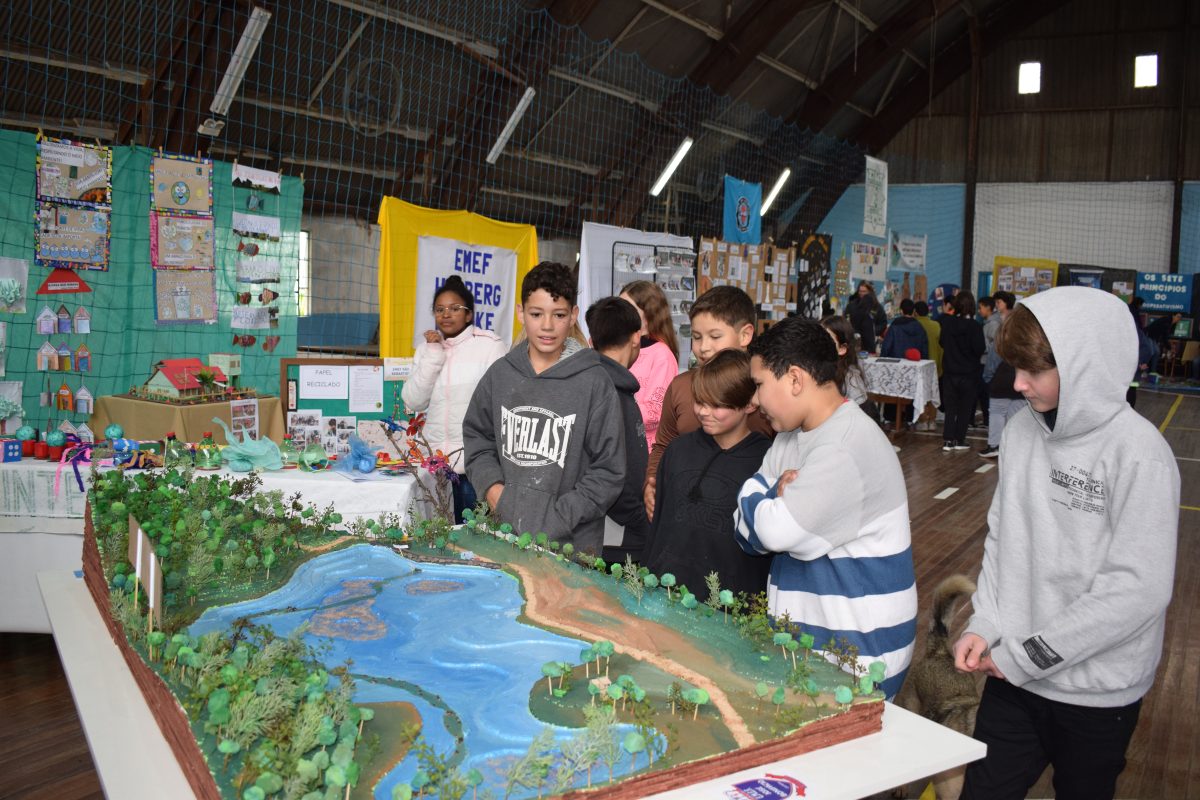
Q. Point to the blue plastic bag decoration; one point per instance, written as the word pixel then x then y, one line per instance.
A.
pixel 361 457
pixel 256 454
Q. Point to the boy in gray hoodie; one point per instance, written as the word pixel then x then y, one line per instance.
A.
pixel 1079 560
pixel 543 435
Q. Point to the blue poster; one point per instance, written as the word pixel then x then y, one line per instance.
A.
pixel 1165 291
pixel 743 207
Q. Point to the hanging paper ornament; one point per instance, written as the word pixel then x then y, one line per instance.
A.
pixel 248 248
pixel 270 343
pixel 267 295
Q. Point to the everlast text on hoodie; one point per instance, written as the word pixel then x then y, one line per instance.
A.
pixel 1079 559
pixel 555 440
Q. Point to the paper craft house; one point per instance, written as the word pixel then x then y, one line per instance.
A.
pixel 64 320
pixel 47 358
pixel 229 363
pixel 83 405
pixel 83 321
pixel 83 359
pixel 83 431
pixel 66 357
pixel 68 427
pixel 64 398
pixel 47 321
pixel 178 378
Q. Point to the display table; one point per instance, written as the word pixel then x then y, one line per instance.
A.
pixel 902 383
pixel 133 760
pixel 146 420
pixel 40 531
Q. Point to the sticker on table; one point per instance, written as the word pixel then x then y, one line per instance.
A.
pixel 179 242
pixel 770 787
pixel 185 297
pixel 74 172
pixel 305 426
pixel 181 184
pixel 243 416
pixel 73 237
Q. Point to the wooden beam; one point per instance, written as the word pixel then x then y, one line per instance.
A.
pixel 202 84
pixel 748 36
pixel 139 112
pixel 182 74
pixel 885 43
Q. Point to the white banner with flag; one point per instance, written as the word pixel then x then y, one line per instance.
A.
pixel 490 273
pixel 875 200
pixel 907 252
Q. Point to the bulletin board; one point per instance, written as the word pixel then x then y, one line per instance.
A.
pixel 299 409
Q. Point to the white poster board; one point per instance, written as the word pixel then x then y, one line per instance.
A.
pixel 875 202
pixel 490 273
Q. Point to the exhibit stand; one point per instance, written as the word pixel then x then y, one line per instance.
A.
pixel 134 761
pixel 147 420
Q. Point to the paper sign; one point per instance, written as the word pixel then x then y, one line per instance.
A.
pixel 324 383
pixel 63 281
pixel 366 388
pixel 397 369
pixel 875 198
pixel 250 318
pixel 258 178
pixel 258 270
pixel 255 225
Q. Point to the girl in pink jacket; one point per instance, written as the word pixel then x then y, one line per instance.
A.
pixel 445 370
pixel 658 363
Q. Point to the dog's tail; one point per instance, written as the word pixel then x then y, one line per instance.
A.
pixel 945 597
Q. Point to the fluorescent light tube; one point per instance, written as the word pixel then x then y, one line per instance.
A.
pixel 673 165
pixel 242 55
pixel 515 119
pixel 775 190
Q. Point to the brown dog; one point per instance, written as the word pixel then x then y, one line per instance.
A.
pixel 934 688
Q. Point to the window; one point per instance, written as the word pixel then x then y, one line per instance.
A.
pixel 303 276
pixel 1145 71
pixel 1029 78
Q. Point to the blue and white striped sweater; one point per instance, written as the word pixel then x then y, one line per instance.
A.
pixel 856 582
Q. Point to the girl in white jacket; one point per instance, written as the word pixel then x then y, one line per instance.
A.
pixel 446 368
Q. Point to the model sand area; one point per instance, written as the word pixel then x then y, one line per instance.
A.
pixel 457 639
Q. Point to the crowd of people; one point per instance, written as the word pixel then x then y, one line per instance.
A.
pixel 764 464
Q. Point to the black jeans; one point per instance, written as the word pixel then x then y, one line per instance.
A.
pixel 464 497
pixel 958 402
pixel 1024 732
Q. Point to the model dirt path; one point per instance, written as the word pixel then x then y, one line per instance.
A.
pixel 546 613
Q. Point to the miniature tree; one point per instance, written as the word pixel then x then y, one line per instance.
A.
pixel 807 640
pixel 605 649
pixel 778 699
pixel 843 695
pixel 651 581
pixel 474 778
pixel 594 689
pixel 689 601
pixel 760 691
pixel 712 582
pixel 615 692
pixel 578 755
pixel 599 730
pixel 586 655
pixel 616 570
pixel 542 539
pixel 551 669
pixel 634 743
pixel 791 647
pixel 667 581
pixel 524 541
pixel 599 564
pixel 878 671
pixel 780 640
pixel 402 791
pixel 228 747
pixel 568 549
pixel 865 684
pixel 697 697
pixel 725 598
pixel 674 695
pixel 633 581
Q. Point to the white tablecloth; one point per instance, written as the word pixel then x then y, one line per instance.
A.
pixel 915 380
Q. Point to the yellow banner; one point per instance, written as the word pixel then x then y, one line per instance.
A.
pixel 401 223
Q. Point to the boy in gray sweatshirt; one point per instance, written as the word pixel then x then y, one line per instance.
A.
pixel 1079 560
pixel 543 435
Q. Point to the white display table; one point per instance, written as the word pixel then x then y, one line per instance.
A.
pixel 43 530
pixel 133 759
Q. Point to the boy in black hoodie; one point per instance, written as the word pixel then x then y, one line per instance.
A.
pixel 543 434
pixel 615 327
pixel 700 475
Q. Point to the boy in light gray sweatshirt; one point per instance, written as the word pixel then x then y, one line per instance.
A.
pixel 1079 560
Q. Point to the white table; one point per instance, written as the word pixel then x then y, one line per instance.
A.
pixel 40 530
pixel 133 760
pixel 902 382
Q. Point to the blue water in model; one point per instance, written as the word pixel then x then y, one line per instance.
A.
pixel 451 630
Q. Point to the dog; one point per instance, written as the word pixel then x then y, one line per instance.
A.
pixel 934 688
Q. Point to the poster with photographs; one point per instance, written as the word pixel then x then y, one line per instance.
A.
pixel 632 262
pixel 179 242
pixel 811 270
pixel 180 184
pixel 72 237
pixel 185 296
pixel 244 418
pixel 305 426
pixel 1024 276
pixel 73 172
pixel 335 434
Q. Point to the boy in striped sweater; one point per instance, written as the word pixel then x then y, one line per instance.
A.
pixel 829 501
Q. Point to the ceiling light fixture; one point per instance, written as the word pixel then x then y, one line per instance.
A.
pixel 775 190
pixel 242 55
pixel 672 165
pixel 515 119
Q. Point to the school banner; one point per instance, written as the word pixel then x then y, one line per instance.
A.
pixel 490 274
pixel 875 198
pixel 1165 291
pixel 907 252
pixel 867 262
pixel 401 225
pixel 743 211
